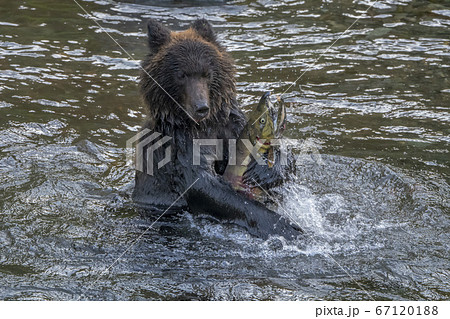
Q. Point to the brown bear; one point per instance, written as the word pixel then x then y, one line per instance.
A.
pixel 189 89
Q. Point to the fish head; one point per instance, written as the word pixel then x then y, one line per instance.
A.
pixel 260 119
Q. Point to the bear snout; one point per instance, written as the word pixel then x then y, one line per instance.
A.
pixel 197 98
pixel 201 110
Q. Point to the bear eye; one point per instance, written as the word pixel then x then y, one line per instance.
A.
pixel 262 120
pixel 181 75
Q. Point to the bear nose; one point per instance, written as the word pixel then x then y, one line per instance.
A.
pixel 201 109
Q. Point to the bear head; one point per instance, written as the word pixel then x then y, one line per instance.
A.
pixel 188 77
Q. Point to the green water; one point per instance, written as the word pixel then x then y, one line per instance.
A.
pixel 376 211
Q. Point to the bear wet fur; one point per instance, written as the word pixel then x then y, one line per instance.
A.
pixel 188 87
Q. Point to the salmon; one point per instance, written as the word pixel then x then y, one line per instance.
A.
pixel 264 122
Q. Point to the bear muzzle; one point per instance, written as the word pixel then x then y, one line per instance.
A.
pixel 201 110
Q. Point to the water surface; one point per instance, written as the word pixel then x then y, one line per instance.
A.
pixel 375 205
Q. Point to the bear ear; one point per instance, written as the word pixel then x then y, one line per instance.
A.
pixel 158 35
pixel 204 29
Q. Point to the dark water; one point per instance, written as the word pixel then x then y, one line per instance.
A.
pixel 375 204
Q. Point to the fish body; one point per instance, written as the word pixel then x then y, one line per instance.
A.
pixel 265 122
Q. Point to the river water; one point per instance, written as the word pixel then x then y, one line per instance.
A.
pixel 373 195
